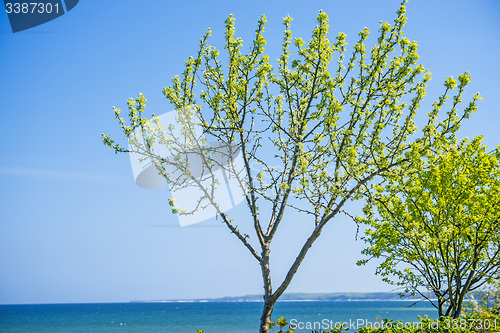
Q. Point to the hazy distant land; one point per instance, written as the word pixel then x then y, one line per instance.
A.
pixel 328 297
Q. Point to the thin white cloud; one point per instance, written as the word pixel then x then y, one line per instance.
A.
pixel 193 226
pixel 61 174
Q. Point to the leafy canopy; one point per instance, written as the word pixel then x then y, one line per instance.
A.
pixel 316 134
pixel 439 229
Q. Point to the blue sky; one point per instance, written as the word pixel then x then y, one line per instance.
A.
pixel 73 225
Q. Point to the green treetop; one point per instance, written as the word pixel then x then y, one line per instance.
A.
pixel 438 229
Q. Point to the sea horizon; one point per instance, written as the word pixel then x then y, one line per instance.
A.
pixel 286 297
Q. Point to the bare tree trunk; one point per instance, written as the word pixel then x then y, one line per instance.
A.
pixel 465 289
pixel 440 307
pixel 269 299
pixel 265 319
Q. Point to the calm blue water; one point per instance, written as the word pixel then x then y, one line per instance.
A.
pixel 189 317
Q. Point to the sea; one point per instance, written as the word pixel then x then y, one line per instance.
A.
pixel 212 317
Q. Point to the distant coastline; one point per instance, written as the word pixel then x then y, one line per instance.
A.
pixel 296 297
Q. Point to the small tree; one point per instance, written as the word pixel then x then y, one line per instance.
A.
pixel 439 229
pixel 319 134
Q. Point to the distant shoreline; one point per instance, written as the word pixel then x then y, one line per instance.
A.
pixel 297 297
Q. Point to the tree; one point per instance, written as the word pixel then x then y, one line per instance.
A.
pixel 439 229
pixel 319 136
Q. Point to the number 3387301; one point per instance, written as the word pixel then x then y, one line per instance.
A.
pixel 31 8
